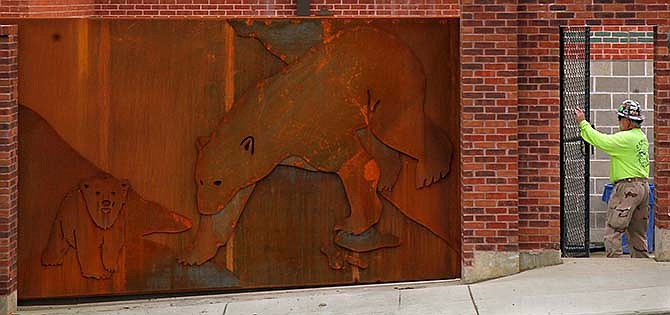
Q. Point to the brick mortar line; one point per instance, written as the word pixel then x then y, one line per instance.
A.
pixel 622 77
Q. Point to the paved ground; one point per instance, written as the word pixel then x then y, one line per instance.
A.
pixel 579 286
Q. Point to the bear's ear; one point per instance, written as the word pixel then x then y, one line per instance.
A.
pixel 84 185
pixel 201 142
pixel 248 144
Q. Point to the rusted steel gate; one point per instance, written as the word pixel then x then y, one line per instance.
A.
pixel 188 155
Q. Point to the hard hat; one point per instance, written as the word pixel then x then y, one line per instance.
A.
pixel 630 109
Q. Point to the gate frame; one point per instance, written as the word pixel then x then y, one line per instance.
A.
pixel 565 251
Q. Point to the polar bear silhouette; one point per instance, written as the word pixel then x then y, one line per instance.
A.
pixel 92 220
pixel 348 106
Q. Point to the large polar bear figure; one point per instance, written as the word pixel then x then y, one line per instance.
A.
pixel 348 106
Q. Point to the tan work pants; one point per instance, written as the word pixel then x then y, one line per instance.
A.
pixel 628 212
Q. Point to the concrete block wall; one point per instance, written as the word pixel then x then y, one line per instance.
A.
pixel 613 81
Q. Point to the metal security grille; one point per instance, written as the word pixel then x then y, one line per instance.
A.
pixel 575 77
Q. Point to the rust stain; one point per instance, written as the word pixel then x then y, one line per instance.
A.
pixel 229 67
pixel 355 271
pixel 104 85
pixel 371 172
pixel 82 50
pixel 327 31
pixel 334 255
pixel 81 86
pixel 211 58
pixel 230 252
pixel 355 260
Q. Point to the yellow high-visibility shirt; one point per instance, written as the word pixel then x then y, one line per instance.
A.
pixel 629 151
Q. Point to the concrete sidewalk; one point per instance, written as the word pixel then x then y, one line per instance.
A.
pixel 578 286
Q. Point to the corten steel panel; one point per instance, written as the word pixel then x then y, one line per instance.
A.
pixel 186 155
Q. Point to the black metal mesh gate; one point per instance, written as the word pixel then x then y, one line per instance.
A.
pixel 575 77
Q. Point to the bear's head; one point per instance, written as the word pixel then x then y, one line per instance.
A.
pixel 105 197
pixel 226 165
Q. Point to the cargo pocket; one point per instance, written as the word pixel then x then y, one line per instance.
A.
pixel 619 217
pixel 624 202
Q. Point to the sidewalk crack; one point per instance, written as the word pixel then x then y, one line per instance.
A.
pixel 473 300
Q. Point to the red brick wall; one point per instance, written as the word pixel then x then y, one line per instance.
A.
pixel 489 126
pixel 13 8
pixel 662 128
pixel 184 8
pixel 539 200
pixel 539 137
pixel 629 50
pixel 8 157
pixel 47 8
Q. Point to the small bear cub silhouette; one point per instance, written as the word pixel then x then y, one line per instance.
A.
pixel 92 220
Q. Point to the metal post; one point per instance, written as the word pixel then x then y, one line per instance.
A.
pixel 587 156
pixel 562 141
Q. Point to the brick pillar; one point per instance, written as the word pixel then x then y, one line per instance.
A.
pixel 8 166
pixel 539 136
pixel 662 143
pixel 489 139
